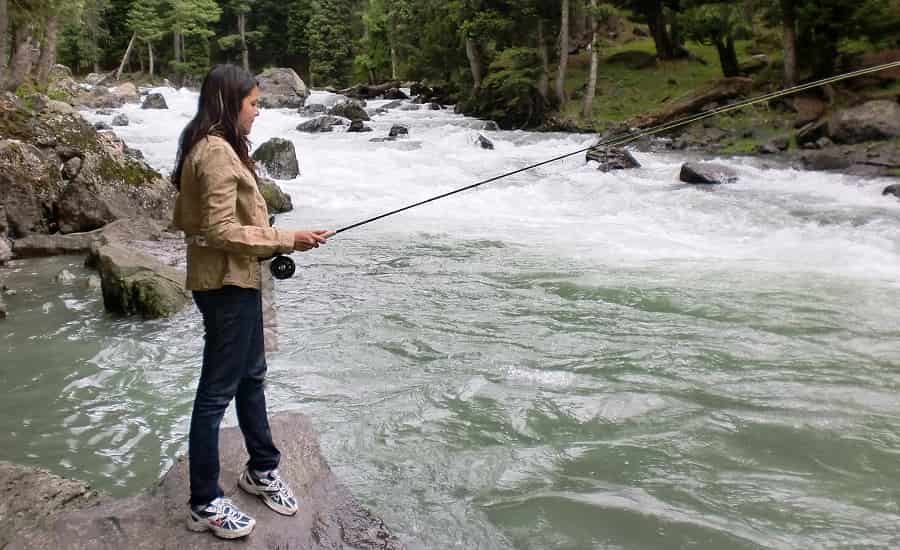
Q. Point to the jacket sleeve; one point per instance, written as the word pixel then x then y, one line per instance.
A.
pixel 219 179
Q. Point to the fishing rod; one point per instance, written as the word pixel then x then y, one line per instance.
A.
pixel 614 141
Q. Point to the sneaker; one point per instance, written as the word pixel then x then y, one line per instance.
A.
pixel 221 517
pixel 271 489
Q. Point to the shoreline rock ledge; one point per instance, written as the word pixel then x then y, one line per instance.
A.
pixel 329 518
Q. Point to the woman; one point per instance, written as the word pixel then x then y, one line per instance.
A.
pixel 225 221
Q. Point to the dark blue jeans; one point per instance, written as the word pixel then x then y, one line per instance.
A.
pixel 234 367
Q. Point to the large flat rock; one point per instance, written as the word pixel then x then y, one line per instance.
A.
pixel 329 517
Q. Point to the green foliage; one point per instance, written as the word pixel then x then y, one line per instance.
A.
pixel 330 42
pixel 509 94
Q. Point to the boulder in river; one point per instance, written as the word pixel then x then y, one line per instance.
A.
pixel 352 109
pixel 485 143
pixel 278 158
pixel 329 517
pixel 612 158
pixel 281 88
pixel 136 283
pixel 707 173
pixel 398 130
pixel 154 101
pixel 892 189
pixel 324 123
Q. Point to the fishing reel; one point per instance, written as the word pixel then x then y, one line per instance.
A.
pixel 282 267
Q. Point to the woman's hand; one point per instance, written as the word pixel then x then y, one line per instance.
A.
pixel 307 240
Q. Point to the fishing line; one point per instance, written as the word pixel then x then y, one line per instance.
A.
pixel 283 268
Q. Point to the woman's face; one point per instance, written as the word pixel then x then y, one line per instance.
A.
pixel 249 111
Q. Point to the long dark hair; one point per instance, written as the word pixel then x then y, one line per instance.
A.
pixel 221 95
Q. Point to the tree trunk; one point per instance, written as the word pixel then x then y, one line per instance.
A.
pixel 4 30
pixel 150 54
pixel 474 55
pixel 176 45
pixel 656 20
pixel 789 24
pixel 140 62
pixel 22 57
pixel 242 29
pixel 563 53
pixel 48 50
pixel 543 84
pixel 125 57
pixel 592 77
pixel 728 57
pixel 395 60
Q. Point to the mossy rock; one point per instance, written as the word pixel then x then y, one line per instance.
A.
pixel 136 283
pixel 277 201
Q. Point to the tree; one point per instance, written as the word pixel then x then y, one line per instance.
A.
pixel 330 42
pixel 660 16
pixel 599 14
pixel 789 34
pixel 192 19
pixel 563 53
pixel 241 10
pixel 718 24
pixel 147 23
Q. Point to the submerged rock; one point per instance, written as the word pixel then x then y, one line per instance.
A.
pixel 279 158
pixel 329 517
pixel 707 173
pixel 485 143
pixel 892 189
pixel 398 130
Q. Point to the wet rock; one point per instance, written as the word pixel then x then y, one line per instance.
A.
pixel 324 123
pixel 278 158
pixel 281 88
pixel 365 91
pixel 833 158
pixel 358 126
pixel 612 158
pixel 395 93
pixel 382 139
pixel 892 189
pixel 277 200
pixel 398 130
pixel 136 283
pixel 65 277
pixel 100 125
pixel 434 106
pixel 5 251
pixel 99 98
pixel 707 173
pixel 490 126
pixel 353 110
pixel 93 283
pixel 30 496
pixel 312 108
pixel 485 143
pixel 154 101
pixel 392 105
pixel 410 107
pixel 874 120
pixel 124 230
pixel 120 119
pixel 329 518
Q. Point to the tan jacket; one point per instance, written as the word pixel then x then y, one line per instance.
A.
pixel 224 218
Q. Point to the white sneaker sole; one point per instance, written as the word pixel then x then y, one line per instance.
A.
pixel 200 526
pixel 247 486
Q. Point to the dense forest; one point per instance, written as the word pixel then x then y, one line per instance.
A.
pixel 514 54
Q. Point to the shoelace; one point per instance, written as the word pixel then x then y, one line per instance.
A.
pixel 226 510
pixel 276 485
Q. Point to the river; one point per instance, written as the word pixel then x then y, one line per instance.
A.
pixel 564 359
